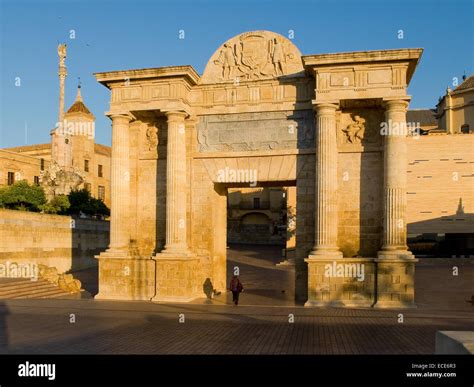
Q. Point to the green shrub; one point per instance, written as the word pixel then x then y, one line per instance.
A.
pixel 22 196
pixel 57 205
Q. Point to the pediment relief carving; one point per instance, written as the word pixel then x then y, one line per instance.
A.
pixel 252 56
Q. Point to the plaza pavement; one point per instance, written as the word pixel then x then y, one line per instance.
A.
pixel 260 325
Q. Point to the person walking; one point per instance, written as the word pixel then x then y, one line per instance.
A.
pixel 236 288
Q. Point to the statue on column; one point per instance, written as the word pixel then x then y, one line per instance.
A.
pixel 62 54
pixel 61 176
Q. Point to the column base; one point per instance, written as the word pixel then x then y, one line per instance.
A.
pixel 340 282
pixel 395 254
pixel 177 277
pixel 395 280
pixel 325 254
pixel 123 277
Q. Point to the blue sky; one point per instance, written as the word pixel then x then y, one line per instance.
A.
pixel 118 35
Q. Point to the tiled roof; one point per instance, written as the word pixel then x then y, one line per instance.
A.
pixel 102 149
pixel 467 84
pixel 78 107
pixel 423 116
pixel 26 148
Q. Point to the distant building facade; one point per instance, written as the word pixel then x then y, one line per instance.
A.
pixel 93 160
pixel 455 110
pixel 71 161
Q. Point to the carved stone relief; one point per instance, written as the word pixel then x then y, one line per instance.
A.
pixel 255 131
pixel 354 132
pixel 360 128
pixel 150 139
pixel 253 55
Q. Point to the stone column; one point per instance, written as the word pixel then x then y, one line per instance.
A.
pixel 326 216
pixel 395 180
pixel 176 204
pixel 177 268
pixel 395 264
pixel 120 183
pixel 122 275
pixel 325 250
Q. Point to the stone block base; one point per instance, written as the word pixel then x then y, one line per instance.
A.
pixel 177 278
pixel 122 277
pixel 340 282
pixel 396 282
pixel 361 282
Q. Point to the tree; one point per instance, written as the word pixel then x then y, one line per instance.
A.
pixel 22 196
pixel 57 205
pixel 82 202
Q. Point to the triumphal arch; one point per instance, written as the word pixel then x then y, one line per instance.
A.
pixel 180 140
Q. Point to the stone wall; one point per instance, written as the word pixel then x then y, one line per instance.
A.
pixel 52 240
pixel 440 193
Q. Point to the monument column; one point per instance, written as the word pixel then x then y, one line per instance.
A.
pixel 120 183
pixel 326 217
pixel 395 264
pixel 176 220
pixel 123 274
pixel 395 180
pixel 177 268
pixel 325 250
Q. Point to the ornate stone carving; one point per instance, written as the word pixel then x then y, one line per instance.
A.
pixel 359 127
pixel 255 131
pixel 57 180
pixel 355 130
pixel 152 137
pixel 253 55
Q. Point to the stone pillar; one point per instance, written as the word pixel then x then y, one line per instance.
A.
pixel 325 250
pixel 123 275
pixel 177 268
pixel 326 216
pixel 395 180
pixel 176 203
pixel 120 183
pixel 395 264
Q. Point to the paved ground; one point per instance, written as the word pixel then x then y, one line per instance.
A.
pixel 44 326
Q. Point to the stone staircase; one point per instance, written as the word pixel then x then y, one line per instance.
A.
pixel 16 288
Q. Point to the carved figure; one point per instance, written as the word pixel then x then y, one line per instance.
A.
pixel 276 52
pixel 355 131
pixel 227 59
pixel 152 137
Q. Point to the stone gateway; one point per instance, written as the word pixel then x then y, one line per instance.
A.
pixel 260 107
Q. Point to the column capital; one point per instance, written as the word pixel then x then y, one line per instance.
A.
pixel 399 104
pixel 120 117
pixel 325 107
pixel 175 115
